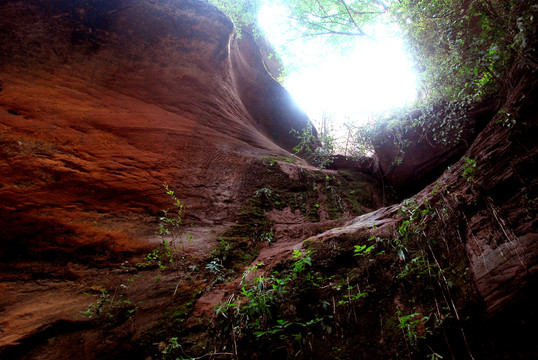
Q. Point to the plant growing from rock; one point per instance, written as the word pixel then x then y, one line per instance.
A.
pixel 172 236
pixel 409 325
pixel 252 313
pixel 171 222
pixel 110 309
pixel 317 151
pixel 470 170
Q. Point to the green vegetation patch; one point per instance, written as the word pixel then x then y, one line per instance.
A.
pixel 271 160
pixel 232 255
pixel 312 192
pixel 356 291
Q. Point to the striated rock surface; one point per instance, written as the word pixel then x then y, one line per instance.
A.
pixel 103 101
pixel 490 212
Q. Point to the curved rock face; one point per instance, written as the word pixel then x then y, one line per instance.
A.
pixel 422 160
pixel 265 99
pixel 103 101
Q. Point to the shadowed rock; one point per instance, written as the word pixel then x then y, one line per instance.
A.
pixel 103 101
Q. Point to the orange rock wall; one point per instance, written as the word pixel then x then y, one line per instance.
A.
pixel 103 101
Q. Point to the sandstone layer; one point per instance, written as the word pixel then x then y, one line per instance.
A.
pixel 103 102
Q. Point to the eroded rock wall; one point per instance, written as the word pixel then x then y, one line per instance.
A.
pixel 477 224
pixel 411 157
pixel 103 101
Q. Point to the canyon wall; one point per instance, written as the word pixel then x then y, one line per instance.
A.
pixel 101 102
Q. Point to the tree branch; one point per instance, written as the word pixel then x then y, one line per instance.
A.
pixel 384 6
pixel 322 8
pixel 330 32
pixel 351 17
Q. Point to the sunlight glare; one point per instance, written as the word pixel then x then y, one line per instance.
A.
pixel 376 75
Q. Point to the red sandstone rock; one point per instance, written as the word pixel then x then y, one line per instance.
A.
pixel 497 208
pixel 423 160
pixel 101 103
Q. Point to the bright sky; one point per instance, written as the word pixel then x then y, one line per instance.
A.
pixel 374 76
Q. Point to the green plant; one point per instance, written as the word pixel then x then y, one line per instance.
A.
pixel 171 222
pixel 418 266
pixel 506 119
pixel 414 216
pixel 267 197
pixel 170 225
pixel 333 20
pixel 251 313
pixel 282 325
pixel 221 255
pixel 94 310
pixel 243 13
pixel 437 122
pixel 271 160
pixel 409 325
pixel 264 192
pixel 317 151
pixel 174 350
pixel 302 261
pixel 162 256
pixel 470 170
pixel 215 266
pixel 110 308
pixel 172 345
pixel 224 248
pixel 464 47
pixel 361 250
pixel 268 237
pixel 350 298
pixel 434 355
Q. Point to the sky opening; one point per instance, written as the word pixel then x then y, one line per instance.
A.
pixel 374 74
